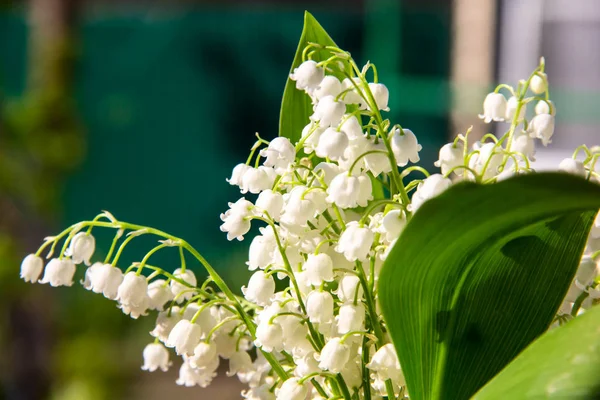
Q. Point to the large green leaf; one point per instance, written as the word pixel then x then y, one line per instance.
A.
pixel 562 364
pixel 478 274
pixel 296 107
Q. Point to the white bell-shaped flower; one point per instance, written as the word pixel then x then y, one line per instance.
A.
pixel 353 92
pixel 133 291
pixel 271 202
pixel 165 322
pixel 237 174
pixel 328 112
pixel 595 233
pixel 511 108
pixel 258 179
pixel 572 166
pixel 261 287
pixel 239 363
pixel 487 161
pixel 354 154
pixel 292 389
pixel 524 144
pixel 262 392
pixel 542 127
pixel 347 191
pixel 306 365
pixel 279 154
pixel 311 135
pixel 136 310
pixel 538 83
pixel 377 163
pixel 349 288
pixel 587 271
pixel 431 187
pixel 184 337
pixel 106 279
pixel 405 146
pixel 319 307
pixel 545 107
pixel 381 94
pixel 329 86
pixel 236 220
pixel 297 209
pixel 159 294
pixel 350 318
pixel 352 127
pixel 393 224
pixel 494 108
pixel 155 357
pixel 332 144
pixel 319 268
pixel 451 156
pixel 204 354
pixel 180 291
pixel 327 171
pixel 81 248
pixel 31 268
pixel 190 376
pixel 308 75
pixel 385 363
pixel 355 242
pixel 202 316
pixel 334 356
pixel 59 272
pixel 260 253
pixel 269 336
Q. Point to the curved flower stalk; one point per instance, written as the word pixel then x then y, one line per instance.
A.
pixel 330 207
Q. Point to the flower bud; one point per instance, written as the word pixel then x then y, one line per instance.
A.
pixel 545 107
pixel 393 224
pixel 405 147
pixel 511 109
pixel 538 83
pixel 31 268
pixel 155 357
pixel 59 272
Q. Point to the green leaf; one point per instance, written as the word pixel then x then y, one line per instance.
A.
pixel 562 364
pixel 296 107
pixel 478 274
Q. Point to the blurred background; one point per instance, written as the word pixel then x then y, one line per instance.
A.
pixel 143 108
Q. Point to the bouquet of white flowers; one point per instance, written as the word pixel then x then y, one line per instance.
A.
pixel 360 278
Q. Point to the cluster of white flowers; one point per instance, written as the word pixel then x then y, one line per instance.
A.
pixel 331 207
